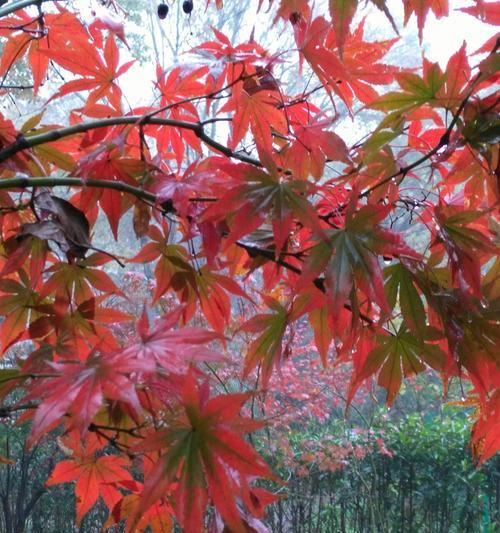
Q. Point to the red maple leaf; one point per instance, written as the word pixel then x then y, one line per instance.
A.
pixel 421 9
pixel 95 475
pixel 78 389
pixel 171 349
pixel 203 452
pixel 350 258
pixel 97 74
pixel 31 40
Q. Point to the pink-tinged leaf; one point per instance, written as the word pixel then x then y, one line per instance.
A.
pixel 171 349
pixel 79 390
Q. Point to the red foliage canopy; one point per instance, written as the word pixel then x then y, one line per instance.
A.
pixel 276 209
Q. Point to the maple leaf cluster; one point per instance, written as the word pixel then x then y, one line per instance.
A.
pixel 276 215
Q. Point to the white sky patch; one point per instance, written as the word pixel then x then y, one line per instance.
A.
pixel 445 36
pixel 441 39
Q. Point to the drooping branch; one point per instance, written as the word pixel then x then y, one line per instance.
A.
pixel 11 7
pixel 25 182
pixel 7 410
pixel 16 87
pixel 24 143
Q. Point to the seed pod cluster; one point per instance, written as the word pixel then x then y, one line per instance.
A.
pixel 162 10
pixel 187 6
